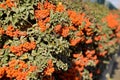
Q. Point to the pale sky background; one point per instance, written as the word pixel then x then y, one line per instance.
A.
pixel 116 3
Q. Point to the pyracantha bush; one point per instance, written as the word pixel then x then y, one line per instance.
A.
pixel 52 40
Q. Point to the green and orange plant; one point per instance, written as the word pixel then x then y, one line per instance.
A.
pixel 52 40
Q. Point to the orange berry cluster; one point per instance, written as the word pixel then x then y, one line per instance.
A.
pixel 42 13
pixel 60 7
pixel 76 72
pixel 16 69
pixel 22 48
pixel 12 32
pixel 2 72
pixel 82 61
pixel 63 31
pixel 76 18
pixel 113 22
pixel 49 69
pixel 8 3
pixel 74 42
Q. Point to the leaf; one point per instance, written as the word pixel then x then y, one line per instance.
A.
pixel 1 13
pixel 25 56
pixel 2 52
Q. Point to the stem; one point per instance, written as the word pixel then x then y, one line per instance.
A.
pixel 27 21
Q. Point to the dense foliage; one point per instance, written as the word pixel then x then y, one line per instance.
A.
pixel 52 40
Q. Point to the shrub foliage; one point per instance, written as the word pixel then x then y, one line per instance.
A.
pixel 55 40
